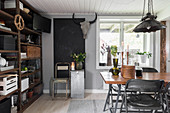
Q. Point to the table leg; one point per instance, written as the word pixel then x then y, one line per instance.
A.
pixel 108 97
pixel 118 95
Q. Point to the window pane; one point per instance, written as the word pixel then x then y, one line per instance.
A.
pixel 134 40
pixel 109 35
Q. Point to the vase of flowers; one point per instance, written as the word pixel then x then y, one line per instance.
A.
pixel 115 69
pixel 144 56
pixel 79 59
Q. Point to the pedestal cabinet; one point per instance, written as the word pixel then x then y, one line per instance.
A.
pixel 77 84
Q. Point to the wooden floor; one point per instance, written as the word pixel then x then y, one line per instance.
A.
pixel 59 105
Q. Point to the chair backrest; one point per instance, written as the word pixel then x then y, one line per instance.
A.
pixel 167 88
pixel 149 69
pixel 144 85
pixel 62 70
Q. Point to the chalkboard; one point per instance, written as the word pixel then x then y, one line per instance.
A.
pixel 68 39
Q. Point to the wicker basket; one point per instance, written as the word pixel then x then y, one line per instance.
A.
pixel 128 71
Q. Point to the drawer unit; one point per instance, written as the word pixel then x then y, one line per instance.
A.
pixel 77 84
pixel 8 84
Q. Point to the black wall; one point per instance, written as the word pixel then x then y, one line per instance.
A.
pixel 68 39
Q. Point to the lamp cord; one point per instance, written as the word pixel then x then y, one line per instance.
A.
pixel 152 7
pixel 143 9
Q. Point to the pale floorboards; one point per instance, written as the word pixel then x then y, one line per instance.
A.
pixel 59 105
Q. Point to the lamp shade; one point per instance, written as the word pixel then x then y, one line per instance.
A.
pixel 149 26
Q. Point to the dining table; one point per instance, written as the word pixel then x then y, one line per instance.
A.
pixel 111 79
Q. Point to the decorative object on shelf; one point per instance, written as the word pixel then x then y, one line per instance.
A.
pixel 2 22
pixel 115 70
pixel 144 56
pixel 128 71
pixel 26 10
pixel 85 25
pixel 109 62
pixel 19 22
pixel 30 93
pixel 2 61
pixel 79 58
pixel 149 22
pixel 72 66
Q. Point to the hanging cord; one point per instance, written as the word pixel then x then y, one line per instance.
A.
pixel 143 9
pixel 152 7
pixel 149 5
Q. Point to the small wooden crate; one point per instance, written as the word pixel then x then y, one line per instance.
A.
pixel 8 84
pixel 32 51
pixel 128 71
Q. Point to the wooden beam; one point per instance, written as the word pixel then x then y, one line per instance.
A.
pixel 163 49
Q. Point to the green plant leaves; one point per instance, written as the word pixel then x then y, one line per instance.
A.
pixel 78 57
pixel 114 50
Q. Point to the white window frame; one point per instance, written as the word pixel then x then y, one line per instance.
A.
pixel 115 19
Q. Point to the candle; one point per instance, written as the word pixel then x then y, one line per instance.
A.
pixel 72 66
pixel 122 46
pixel 127 48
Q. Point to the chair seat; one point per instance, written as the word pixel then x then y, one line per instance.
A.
pixel 116 88
pixel 142 100
pixel 60 80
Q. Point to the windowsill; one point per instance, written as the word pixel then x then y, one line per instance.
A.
pixel 109 67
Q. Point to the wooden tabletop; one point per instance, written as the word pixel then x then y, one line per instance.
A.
pixel 110 79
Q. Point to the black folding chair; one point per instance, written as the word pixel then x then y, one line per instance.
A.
pixel 147 69
pixel 141 99
pixel 167 97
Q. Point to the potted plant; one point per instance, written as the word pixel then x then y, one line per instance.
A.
pixel 79 59
pixel 30 93
pixel 115 70
pixel 144 55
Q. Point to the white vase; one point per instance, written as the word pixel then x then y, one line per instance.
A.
pixel 2 61
pixel 143 58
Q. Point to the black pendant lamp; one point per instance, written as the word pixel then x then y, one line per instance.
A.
pixel 149 22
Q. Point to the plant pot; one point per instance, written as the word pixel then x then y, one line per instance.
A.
pixel 30 94
pixel 115 70
pixel 143 58
pixel 79 65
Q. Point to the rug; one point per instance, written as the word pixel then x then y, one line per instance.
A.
pixel 86 106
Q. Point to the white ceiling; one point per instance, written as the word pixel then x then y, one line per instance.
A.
pixel 105 7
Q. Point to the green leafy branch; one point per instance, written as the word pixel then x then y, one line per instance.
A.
pixel 78 57
pixel 144 53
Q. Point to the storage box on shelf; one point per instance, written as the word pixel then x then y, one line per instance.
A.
pixel 32 52
pixel 8 84
pixel 7 42
pixel 24 84
pixel 12 4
